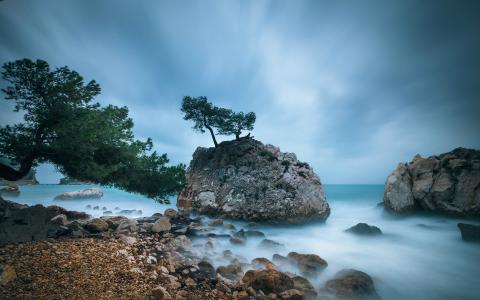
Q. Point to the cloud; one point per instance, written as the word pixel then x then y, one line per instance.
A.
pixel 351 88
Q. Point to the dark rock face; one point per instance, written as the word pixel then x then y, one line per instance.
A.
pixel 353 285
pixel 249 180
pixel 448 183
pixel 470 232
pixel 364 229
pixel 269 281
pixel 21 223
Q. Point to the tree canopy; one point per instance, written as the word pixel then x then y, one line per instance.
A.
pixel 62 125
pixel 205 115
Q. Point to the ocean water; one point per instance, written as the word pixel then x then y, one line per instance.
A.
pixel 417 257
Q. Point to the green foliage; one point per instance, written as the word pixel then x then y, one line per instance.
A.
pixel 205 115
pixel 83 139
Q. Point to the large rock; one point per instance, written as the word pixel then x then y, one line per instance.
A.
pixel 7 274
pixel 96 225
pixel 248 180
pixel 269 281
pixel 353 285
pixel 308 264
pixel 470 232
pixel 364 229
pixel 448 183
pixel 21 223
pixel 83 194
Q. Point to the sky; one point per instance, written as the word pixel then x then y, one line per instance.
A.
pixel 352 87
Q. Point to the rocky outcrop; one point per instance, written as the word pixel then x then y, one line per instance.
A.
pixel 83 194
pixel 248 180
pixel 21 223
pixel 448 183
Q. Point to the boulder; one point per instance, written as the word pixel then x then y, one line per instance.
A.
pixel 308 264
pixel 353 285
pixel 170 213
pixel 160 293
pixel 448 183
pixel 60 220
pixel 248 180
pixel 292 294
pixel 162 224
pixel 263 263
pixel 22 223
pixel 205 271
pixel 304 285
pixel 7 274
pixel 114 221
pixel 10 190
pixel 270 244
pixel 470 232
pixel 127 226
pixel 83 194
pixel 364 229
pixel 231 271
pixel 269 281
pixel 96 225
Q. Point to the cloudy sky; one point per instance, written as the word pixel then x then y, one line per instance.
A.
pixel 352 87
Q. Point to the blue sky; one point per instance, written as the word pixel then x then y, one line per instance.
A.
pixel 352 87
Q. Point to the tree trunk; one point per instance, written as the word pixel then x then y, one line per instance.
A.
pixel 237 136
pixel 211 131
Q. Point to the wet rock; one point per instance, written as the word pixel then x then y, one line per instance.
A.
pixel 83 194
pixel 292 294
pixel 88 206
pixel 216 222
pixel 96 225
pixel 308 264
pixel 10 190
pixel 279 259
pixel 60 220
pixel 205 271
pixel 447 183
pixel 237 241
pixel 129 240
pixel 470 232
pixel 162 224
pixel 76 215
pixel 304 285
pixel 269 281
pixel 96 207
pixel 232 271
pixel 228 226
pixel 114 221
pixel 266 243
pixel 107 212
pixel 352 284
pixel 263 263
pixel 126 211
pixel 254 233
pixel 170 213
pixel 160 293
pixel 127 226
pixel 104 208
pixel 364 229
pixel 7 274
pixel 224 181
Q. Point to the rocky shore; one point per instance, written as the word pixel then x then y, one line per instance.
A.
pixel 165 256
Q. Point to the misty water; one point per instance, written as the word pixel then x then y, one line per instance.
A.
pixel 417 257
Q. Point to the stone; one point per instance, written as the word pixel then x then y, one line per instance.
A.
pixel 447 184
pixel 129 240
pixel 160 293
pixel 263 263
pixel 364 229
pixel 266 243
pixel 60 220
pixel 304 285
pixel 205 271
pixel 107 212
pixel 96 225
pixel 127 226
pixel 279 259
pixel 83 194
pixel 269 281
pixel 7 274
pixel 308 264
pixel 254 233
pixel 292 294
pixel 10 190
pixel 470 232
pixel 231 271
pixel 170 213
pixel 237 241
pixel 114 221
pixel 352 284
pixel 248 180
pixel 162 224
pixel 228 226
pixel 216 222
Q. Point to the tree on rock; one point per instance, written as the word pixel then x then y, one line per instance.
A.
pixel 205 115
pixel 82 139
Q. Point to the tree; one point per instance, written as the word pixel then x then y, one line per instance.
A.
pixel 206 115
pixel 82 139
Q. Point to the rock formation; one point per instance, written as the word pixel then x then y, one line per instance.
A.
pixel 83 194
pixel 448 183
pixel 248 180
